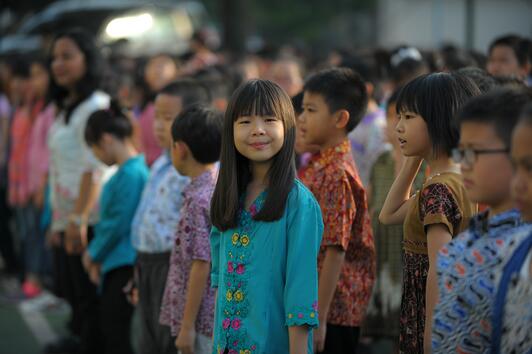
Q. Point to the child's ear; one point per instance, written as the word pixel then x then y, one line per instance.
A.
pixel 181 149
pixel 106 139
pixel 342 118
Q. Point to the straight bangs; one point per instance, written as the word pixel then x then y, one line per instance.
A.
pixel 258 98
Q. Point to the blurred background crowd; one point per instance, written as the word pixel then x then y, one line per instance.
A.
pixel 147 45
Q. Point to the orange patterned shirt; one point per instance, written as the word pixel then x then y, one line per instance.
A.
pixel 332 177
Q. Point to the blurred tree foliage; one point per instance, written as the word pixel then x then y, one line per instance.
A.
pixel 286 20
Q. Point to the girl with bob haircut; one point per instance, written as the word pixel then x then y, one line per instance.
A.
pixel 427 131
pixel 267 230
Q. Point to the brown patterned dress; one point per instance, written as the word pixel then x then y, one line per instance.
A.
pixel 442 200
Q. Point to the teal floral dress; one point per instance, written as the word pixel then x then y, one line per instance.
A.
pixel 266 275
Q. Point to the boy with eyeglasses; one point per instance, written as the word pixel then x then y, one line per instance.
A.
pixel 465 265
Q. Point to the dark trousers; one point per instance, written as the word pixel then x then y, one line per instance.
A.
pixel 341 339
pixel 116 312
pixel 152 272
pixel 82 296
pixel 7 248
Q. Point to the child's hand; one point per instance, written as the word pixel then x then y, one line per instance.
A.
pixel 73 240
pixel 94 273
pixel 131 292
pixel 53 239
pixel 319 337
pixel 185 340
pixel 38 198
pixel 86 260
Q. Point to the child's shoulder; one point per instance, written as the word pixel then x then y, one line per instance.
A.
pixel 300 194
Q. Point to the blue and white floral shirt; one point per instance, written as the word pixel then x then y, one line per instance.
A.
pixel 467 282
pixel 154 226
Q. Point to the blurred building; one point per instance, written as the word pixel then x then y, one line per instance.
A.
pixel 468 23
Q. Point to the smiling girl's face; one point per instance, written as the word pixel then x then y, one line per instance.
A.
pixel 258 138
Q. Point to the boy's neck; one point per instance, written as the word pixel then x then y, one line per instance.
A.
pixel 196 169
pixel 124 152
pixel 501 207
pixel 334 140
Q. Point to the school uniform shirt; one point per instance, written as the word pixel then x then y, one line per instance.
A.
pixel 266 276
pixel 332 177
pixel 192 243
pixel 70 158
pixel 466 282
pixel 155 222
pixel 111 245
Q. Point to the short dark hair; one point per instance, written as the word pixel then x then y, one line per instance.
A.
pixel 408 69
pixel 500 108
pixel 526 115
pixel 393 97
pixel 218 79
pixel 437 98
pixel 510 82
pixel 189 90
pixel 91 80
pixel 484 81
pixel 342 88
pixel 262 98
pixel 113 120
pixel 519 45
pixel 200 128
pixel 297 103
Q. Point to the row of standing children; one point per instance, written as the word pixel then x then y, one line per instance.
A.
pixel 260 306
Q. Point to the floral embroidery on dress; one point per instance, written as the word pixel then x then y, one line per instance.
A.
pixel 236 306
pixel 302 315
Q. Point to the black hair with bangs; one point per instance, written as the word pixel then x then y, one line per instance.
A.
pixel 260 98
pixel 437 98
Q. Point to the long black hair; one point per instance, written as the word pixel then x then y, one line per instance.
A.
pixel 261 98
pixel 91 80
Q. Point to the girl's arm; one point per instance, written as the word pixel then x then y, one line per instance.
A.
pixel 199 274
pixel 298 339
pixel 398 200
pixel 89 190
pixel 437 236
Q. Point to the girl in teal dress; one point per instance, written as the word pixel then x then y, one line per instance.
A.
pixel 266 233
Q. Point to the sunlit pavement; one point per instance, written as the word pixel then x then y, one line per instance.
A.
pixel 25 327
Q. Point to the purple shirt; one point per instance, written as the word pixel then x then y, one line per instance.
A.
pixel 192 243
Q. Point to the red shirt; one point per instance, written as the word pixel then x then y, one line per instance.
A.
pixel 333 179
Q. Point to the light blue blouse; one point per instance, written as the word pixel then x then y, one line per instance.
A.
pixel 267 278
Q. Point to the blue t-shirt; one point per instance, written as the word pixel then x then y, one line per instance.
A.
pixel 111 245
pixel 266 275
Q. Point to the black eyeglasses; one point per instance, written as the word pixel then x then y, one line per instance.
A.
pixel 469 155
